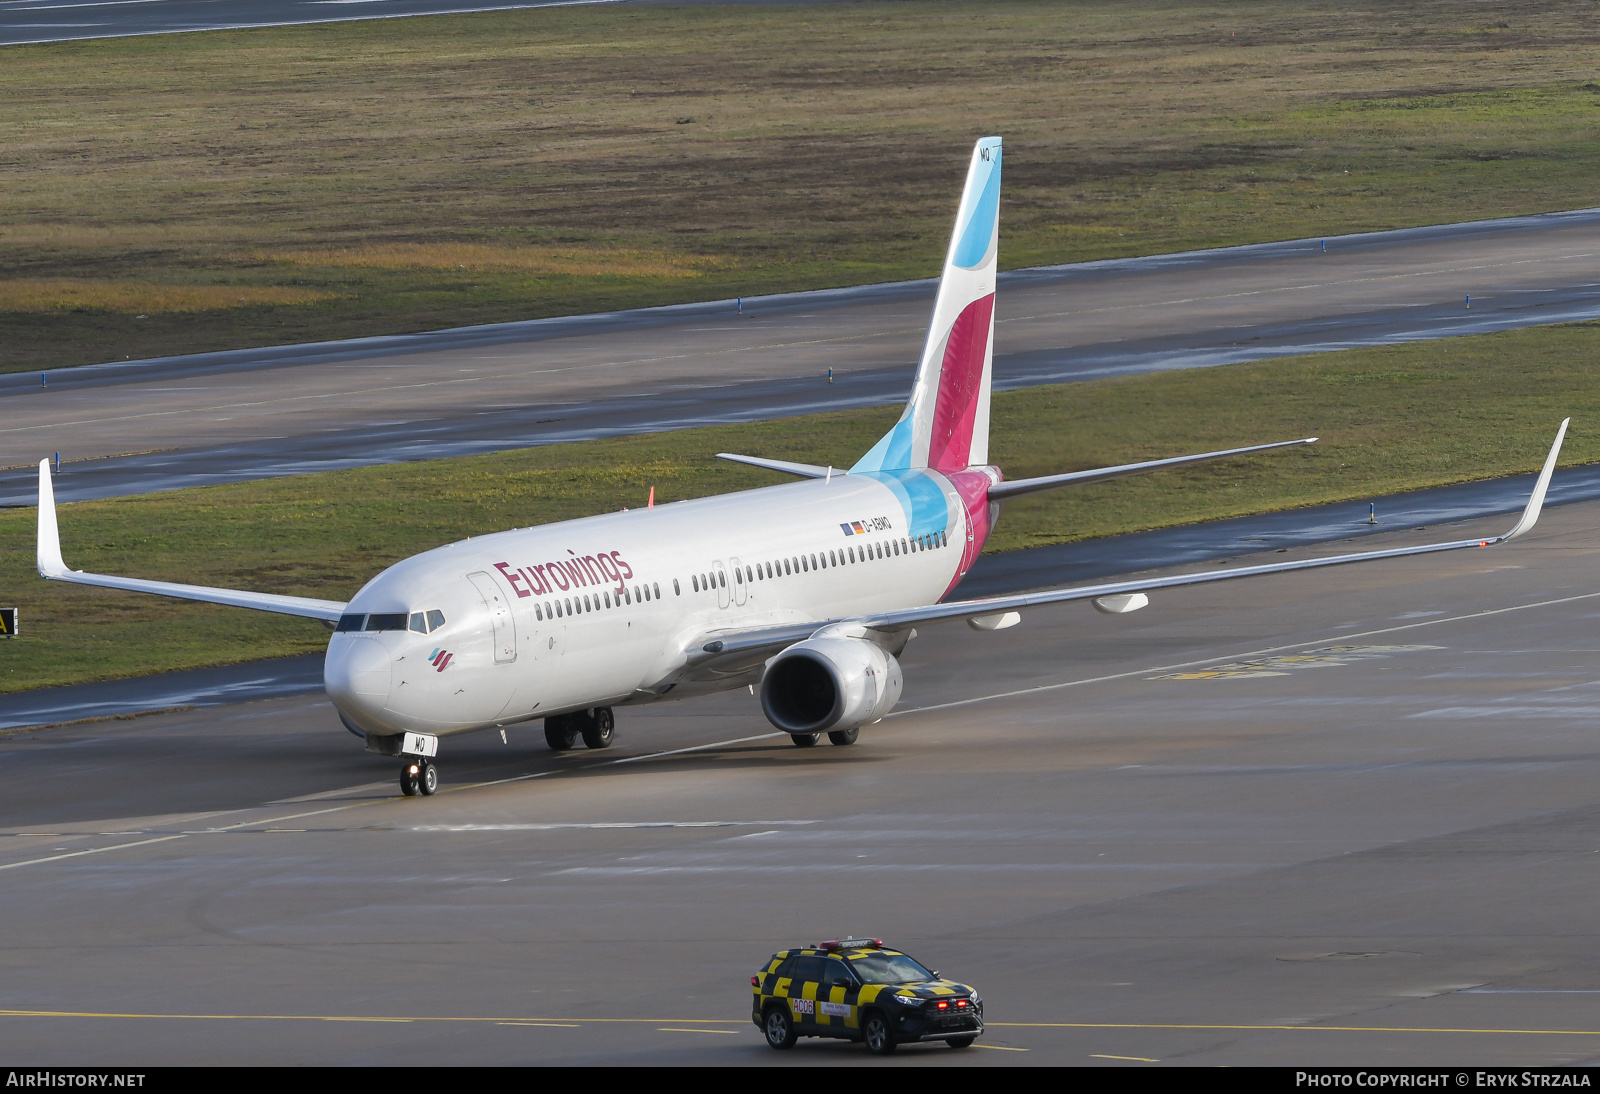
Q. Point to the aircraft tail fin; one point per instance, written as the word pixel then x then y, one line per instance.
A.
pixel 945 425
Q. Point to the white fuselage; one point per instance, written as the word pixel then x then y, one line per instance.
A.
pixel 606 609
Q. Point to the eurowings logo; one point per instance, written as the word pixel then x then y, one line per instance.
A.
pixel 439 659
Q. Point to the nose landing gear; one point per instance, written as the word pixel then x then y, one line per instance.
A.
pixel 418 775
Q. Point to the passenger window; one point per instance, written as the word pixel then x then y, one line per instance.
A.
pixel 839 973
pixel 435 619
pixel 351 622
pixel 748 574
pixel 813 562
pixel 658 592
pixel 810 969
pixel 538 613
pixel 722 579
pixel 694 579
pixel 569 607
pixel 608 600
pixel 738 576
pixel 786 569
pixel 419 623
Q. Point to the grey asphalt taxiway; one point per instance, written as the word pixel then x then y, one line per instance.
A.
pixel 1336 817
pixel 134 427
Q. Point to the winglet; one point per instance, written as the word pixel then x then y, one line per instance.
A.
pixel 50 564
pixel 1530 515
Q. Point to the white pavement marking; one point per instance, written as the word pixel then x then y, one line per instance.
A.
pixel 1236 656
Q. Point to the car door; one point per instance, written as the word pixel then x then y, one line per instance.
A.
pixel 837 1000
pixel 807 981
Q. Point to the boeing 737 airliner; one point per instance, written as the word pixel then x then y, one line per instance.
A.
pixel 809 590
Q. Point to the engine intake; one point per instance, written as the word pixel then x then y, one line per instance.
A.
pixel 825 684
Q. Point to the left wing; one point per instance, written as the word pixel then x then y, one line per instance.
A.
pixel 747 647
pixel 52 567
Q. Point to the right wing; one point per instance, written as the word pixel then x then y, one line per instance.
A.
pixel 733 651
pixel 52 567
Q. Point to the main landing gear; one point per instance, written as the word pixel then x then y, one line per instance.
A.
pixel 418 775
pixel 597 728
pixel 837 736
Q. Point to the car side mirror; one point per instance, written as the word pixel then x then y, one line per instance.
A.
pixel 936 974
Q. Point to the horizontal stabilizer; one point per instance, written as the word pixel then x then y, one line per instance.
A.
pixel 52 567
pixel 804 470
pixel 1014 487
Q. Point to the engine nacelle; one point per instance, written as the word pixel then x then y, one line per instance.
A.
pixel 824 684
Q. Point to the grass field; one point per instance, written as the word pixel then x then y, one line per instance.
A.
pixel 1391 419
pixel 177 193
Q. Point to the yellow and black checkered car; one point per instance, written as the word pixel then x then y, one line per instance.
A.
pixel 860 990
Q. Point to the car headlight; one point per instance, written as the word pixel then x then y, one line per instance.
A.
pixel 908 1000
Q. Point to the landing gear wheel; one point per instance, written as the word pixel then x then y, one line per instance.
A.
pixel 961 1042
pixel 844 736
pixel 778 1028
pixel 598 728
pixel 804 740
pixel 409 782
pixel 876 1033
pixel 428 779
pixel 559 733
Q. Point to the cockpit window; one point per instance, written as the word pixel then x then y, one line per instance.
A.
pixel 419 623
pixel 435 619
pixel 387 622
pixel 350 622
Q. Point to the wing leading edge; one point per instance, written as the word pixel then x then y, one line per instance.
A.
pixel 745 645
pixel 53 568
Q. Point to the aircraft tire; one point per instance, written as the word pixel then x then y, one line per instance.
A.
pixel 804 740
pixel 408 780
pixel 599 728
pixel 844 736
pixel 559 734
pixel 428 779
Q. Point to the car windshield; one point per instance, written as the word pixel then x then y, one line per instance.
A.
pixel 889 968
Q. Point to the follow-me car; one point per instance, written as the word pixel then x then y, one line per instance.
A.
pixel 861 990
pixel 809 590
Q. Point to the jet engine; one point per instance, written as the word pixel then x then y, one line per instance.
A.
pixel 830 683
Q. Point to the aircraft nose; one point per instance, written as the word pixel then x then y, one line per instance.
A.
pixel 356 676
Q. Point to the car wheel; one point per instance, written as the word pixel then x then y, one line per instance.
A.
pixel 961 1042
pixel 876 1033
pixel 778 1028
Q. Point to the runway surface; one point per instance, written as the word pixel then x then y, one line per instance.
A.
pixel 1318 818
pixel 135 427
pixel 34 21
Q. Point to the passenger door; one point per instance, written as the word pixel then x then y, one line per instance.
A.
pixel 501 623
pixel 838 997
pixel 808 974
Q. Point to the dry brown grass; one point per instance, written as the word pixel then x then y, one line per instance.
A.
pixel 548 261
pixel 143 297
pixel 784 147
